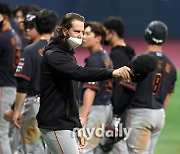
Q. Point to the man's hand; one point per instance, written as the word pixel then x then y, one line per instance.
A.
pixel 18 104
pixel 82 138
pixel 123 72
pixel 17 118
pixel 9 115
pixel 83 120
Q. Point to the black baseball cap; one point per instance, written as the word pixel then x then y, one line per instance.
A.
pixel 142 65
pixel 30 20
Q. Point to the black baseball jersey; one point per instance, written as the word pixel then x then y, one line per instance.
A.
pixel 28 69
pixel 10 52
pixel 151 92
pixel 103 88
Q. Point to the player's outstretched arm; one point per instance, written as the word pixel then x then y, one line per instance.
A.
pixel 123 72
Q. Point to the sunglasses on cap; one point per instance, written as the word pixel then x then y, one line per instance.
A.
pixel 29 21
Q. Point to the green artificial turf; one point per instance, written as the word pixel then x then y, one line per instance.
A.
pixel 169 140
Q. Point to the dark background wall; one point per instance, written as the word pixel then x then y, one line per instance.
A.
pixel 135 13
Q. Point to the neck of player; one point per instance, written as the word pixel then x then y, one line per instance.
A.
pixel 45 36
pixel 95 48
pixel 118 42
pixel 154 48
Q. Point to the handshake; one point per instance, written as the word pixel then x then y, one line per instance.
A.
pixel 124 72
pixel 138 69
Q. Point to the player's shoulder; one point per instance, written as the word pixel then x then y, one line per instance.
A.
pixel 169 65
pixel 12 34
pixel 168 60
pixel 98 59
pixel 97 56
pixel 28 48
pixel 6 37
pixel 31 46
pixel 122 51
pixel 3 36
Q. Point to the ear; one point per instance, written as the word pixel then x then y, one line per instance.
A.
pixel 6 18
pixel 64 31
pixel 99 38
pixel 5 21
pixel 113 33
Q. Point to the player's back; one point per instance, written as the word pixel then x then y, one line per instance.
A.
pixel 30 64
pixel 151 92
pixel 10 51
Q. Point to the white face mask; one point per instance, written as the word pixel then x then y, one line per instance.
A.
pixel 74 42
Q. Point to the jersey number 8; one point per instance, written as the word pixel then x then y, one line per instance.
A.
pixel 157 83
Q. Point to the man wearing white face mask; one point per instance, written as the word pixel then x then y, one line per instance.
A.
pixel 58 114
pixel 73 42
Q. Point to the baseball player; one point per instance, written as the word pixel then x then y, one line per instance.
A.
pixel 146 114
pixel 121 54
pixel 10 52
pixel 96 108
pixel 28 79
pixel 58 113
pixel 19 14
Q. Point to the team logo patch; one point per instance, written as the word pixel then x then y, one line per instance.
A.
pixel 167 68
pixel 40 51
pixel 160 63
pixel 22 59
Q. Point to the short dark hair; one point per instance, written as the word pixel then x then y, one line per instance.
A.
pixel 34 8
pixel 26 9
pixel 116 24
pixel 46 21
pixel 66 22
pixel 5 9
pixel 23 8
pixel 98 29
